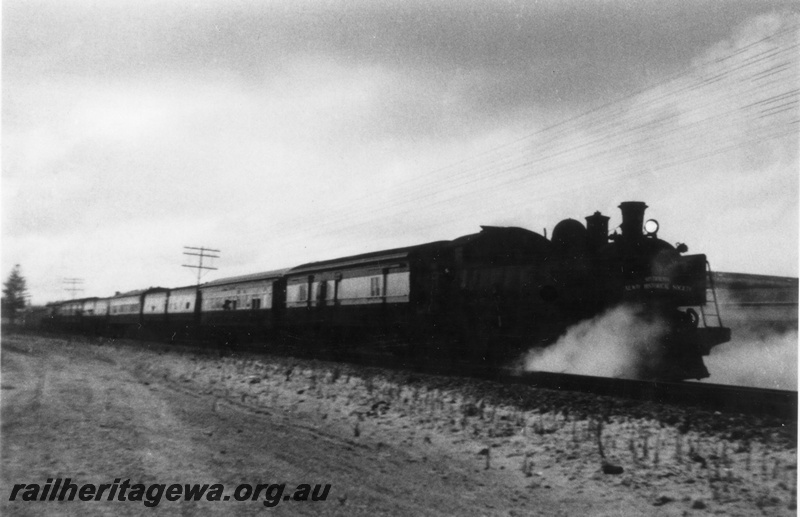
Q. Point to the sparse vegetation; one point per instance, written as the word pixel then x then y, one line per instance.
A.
pixel 14 293
pixel 707 467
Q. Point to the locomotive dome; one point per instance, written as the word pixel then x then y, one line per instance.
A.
pixel 569 236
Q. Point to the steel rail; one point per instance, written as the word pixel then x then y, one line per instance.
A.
pixel 722 398
pixel 715 397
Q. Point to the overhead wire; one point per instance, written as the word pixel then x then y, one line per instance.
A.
pixel 550 129
pixel 492 169
pixel 545 156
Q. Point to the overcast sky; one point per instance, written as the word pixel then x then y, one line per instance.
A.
pixel 287 132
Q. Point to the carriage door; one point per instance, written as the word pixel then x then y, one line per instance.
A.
pixel 322 293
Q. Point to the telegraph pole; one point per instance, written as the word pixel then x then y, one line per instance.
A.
pixel 73 284
pixel 202 253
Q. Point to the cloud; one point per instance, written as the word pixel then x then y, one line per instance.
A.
pixel 514 54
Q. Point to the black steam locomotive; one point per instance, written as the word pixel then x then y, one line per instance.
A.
pixel 483 298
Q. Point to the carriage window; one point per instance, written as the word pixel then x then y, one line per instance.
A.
pixel 188 304
pixel 375 286
pixel 302 293
pixel 256 303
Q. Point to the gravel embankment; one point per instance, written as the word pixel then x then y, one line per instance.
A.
pixel 589 454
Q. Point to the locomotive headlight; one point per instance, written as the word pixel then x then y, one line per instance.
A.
pixel 651 227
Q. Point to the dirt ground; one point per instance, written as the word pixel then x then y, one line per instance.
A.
pixel 387 444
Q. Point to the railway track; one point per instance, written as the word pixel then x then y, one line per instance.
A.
pixel 713 397
pixel 721 398
pixel 727 399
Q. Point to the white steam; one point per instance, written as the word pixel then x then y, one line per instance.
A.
pixel 763 349
pixel 617 343
pixel 756 359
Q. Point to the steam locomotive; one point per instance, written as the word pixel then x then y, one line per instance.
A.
pixel 484 298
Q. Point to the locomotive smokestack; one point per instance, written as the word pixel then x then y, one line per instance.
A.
pixel 632 219
pixel 597 231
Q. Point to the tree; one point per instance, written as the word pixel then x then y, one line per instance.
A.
pixel 14 291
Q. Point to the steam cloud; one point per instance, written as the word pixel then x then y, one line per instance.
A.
pixel 617 343
pixel 762 353
pixel 757 355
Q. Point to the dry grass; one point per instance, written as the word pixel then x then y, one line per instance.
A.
pixel 695 466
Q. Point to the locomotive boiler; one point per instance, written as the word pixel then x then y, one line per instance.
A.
pixel 515 289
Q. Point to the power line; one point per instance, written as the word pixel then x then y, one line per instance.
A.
pixel 73 284
pixel 204 253
pixel 627 129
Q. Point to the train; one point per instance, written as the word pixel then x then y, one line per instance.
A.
pixel 481 299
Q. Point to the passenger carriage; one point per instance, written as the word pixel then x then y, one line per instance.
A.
pixel 242 307
pixel 397 290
